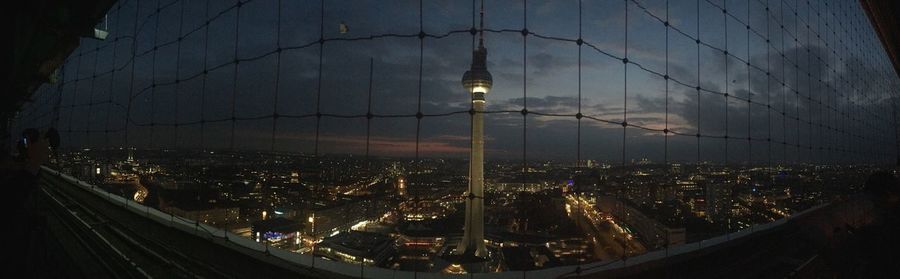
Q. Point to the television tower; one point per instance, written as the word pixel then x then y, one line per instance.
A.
pixel 477 81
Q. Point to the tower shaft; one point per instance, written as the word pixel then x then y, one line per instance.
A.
pixel 473 237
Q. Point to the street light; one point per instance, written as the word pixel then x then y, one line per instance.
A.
pixel 312 221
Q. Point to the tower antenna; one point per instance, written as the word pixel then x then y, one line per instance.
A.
pixel 481 26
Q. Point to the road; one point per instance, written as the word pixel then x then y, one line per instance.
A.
pixel 607 237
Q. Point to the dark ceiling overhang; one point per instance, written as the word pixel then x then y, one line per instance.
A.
pixel 883 16
pixel 45 33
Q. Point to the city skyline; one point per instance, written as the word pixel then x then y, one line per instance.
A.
pixel 410 215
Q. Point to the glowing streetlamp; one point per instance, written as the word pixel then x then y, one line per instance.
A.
pixel 312 223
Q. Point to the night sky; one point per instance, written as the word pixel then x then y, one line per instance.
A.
pixel 850 74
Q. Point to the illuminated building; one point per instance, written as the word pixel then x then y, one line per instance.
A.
pixel 342 214
pixel 277 232
pixel 718 201
pixel 217 216
pixel 371 249
pixel 401 186
pixel 422 209
pixel 295 177
pixel 418 243
pixel 654 233
pixel 518 186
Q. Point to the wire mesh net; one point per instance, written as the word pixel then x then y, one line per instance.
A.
pixel 748 83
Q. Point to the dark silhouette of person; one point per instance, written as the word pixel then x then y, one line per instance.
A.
pixel 25 225
pixel 864 244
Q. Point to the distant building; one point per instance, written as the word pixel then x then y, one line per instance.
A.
pixel 675 168
pixel 570 250
pixel 371 249
pixel 654 233
pixel 295 177
pixel 216 216
pixel 558 249
pixel 528 258
pixel 425 209
pixel 419 242
pixel 718 201
pixel 401 186
pixel 280 232
pixel 333 216
pixel 518 186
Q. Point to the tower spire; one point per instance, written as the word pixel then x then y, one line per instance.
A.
pixel 481 27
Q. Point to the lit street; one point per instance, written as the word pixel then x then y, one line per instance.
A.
pixel 604 233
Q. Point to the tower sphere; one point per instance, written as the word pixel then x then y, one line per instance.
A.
pixel 477 80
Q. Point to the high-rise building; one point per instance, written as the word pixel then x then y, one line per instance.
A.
pixel 477 81
pixel 718 201
pixel 401 186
